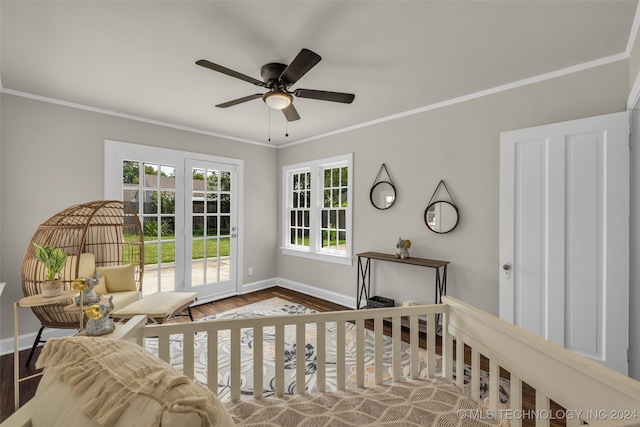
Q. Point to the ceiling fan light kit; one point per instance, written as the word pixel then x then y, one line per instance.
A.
pixel 278 100
pixel 278 78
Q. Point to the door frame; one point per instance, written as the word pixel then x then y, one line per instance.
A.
pixel 117 151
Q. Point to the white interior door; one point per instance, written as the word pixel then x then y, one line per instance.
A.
pixel 211 228
pixel 564 234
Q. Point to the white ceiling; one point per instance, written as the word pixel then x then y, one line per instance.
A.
pixel 138 57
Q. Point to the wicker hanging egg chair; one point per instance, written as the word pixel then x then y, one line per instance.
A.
pixel 108 229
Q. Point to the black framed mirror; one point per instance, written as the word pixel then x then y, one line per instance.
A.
pixel 383 195
pixel 441 217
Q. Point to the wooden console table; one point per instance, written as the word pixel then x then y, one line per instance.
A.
pixel 363 286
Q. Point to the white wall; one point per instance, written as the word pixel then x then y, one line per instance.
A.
pixel 634 252
pixel 53 157
pixel 459 144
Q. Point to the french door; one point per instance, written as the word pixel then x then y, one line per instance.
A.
pixel 211 227
pixel 188 206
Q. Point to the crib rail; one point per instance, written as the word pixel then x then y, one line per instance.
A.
pixel 341 318
pixel 587 391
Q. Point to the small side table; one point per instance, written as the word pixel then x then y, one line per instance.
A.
pixel 30 301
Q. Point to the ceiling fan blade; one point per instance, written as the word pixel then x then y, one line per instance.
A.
pixel 239 100
pixel 324 95
pixel 229 72
pixel 302 63
pixel 291 113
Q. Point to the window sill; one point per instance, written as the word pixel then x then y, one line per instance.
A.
pixel 319 256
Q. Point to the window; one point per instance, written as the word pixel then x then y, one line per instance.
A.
pixel 317 209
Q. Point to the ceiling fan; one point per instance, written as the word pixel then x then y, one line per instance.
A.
pixel 278 78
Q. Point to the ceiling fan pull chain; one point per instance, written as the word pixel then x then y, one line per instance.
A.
pixel 269 109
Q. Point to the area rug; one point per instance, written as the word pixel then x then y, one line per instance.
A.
pixel 279 306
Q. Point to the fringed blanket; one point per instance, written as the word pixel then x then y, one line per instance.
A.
pixel 109 376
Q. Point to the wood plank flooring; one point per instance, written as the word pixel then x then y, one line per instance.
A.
pixel 28 388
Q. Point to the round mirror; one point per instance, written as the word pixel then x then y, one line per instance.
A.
pixel 383 195
pixel 441 217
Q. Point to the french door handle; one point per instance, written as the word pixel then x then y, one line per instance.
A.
pixel 507 270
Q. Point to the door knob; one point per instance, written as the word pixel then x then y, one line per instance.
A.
pixel 507 270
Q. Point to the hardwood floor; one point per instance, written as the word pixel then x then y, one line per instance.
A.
pixel 28 387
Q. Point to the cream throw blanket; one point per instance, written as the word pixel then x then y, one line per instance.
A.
pixel 126 372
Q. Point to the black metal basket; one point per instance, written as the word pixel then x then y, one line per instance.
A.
pixel 380 302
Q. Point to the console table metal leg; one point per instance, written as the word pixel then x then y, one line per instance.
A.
pixel 363 285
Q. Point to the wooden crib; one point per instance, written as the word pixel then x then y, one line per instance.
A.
pixel 587 392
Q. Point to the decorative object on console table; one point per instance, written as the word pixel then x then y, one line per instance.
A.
pixel 383 193
pixel 402 248
pixel 441 216
pixel 54 260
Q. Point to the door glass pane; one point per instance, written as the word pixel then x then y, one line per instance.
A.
pixel 211 233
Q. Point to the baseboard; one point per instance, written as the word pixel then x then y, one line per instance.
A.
pixel 313 291
pixel 26 341
pixel 258 286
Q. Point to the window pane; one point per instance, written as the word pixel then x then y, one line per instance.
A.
pixel 225 225
pixel 131 196
pixel 325 219
pixel 198 226
pixel 306 219
pixel 336 177
pixel 308 199
pixel 168 252
pixel 295 203
pixel 225 203
pixel 168 177
pixel 168 202
pixel 198 180
pixel 344 179
pixel 150 202
pixel 130 172
pixel 225 181
pixel 327 198
pixel 167 227
pixel 211 248
pixel 150 175
pixel 212 180
pixel 212 203
pixel 212 226
pixel 150 227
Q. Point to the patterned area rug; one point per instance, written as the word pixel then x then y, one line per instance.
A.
pixel 279 306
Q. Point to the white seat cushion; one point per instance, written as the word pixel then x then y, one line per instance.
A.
pixel 123 299
pixel 159 305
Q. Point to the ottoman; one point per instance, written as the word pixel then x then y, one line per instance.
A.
pixel 158 307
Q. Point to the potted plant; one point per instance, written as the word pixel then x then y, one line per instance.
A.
pixel 54 260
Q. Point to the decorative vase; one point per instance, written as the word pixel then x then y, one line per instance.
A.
pixel 51 288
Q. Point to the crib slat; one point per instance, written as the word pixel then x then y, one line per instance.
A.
pixel 360 353
pixel 460 364
pixel 279 375
pixel 397 345
pixel 431 345
pixel 163 348
pixel 188 355
pixel 321 378
pixel 300 358
pixel 377 353
pixel 340 349
pixel 447 348
pixel 415 361
pixel 258 362
pixel 475 375
pixel 542 404
pixel 494 376
pixel 212 361
pixel 234 371
pixel 515 398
